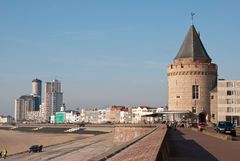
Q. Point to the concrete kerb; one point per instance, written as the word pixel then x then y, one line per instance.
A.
pixel 114 151
pixel 216 135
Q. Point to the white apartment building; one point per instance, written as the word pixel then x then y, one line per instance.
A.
pixel 72 116
pixel 125 116
pixel 94 115
pixel 91 115
pixel 140 111
pixel 82 115
pixel 228 101
pixel 6 119
pixel 34 116
pixel 102 115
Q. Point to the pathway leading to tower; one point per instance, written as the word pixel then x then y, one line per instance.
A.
pixel 188 145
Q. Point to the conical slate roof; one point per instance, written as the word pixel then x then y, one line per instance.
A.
pixel 192 47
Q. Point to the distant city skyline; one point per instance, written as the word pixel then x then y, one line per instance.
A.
pixel 108 52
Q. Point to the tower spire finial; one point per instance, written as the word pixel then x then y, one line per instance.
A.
pixel 192 14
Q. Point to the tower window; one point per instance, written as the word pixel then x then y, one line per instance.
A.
pixel 229 101
pixel 230 109
pixel 229 84
pixel 229 93
pixel 195 92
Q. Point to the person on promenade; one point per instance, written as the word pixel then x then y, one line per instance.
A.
pixel 175 124
pixel 4 153
pixel 40 148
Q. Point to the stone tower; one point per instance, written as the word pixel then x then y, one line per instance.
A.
pixel 191 77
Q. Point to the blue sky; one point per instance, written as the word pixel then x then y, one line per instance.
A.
pixel 108 52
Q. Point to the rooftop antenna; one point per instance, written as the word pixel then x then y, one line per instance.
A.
pixel 192 15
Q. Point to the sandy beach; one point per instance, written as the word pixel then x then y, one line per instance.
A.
pixel 16 141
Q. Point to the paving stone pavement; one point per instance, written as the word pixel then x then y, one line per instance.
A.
pixel 188 145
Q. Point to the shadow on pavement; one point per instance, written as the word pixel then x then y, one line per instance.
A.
pixel 236 138
pixel 186 150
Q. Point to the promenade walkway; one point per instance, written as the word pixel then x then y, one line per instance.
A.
pixel 184 145
pixel 188 145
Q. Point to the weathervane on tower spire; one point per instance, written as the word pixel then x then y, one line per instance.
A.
pixel 192 14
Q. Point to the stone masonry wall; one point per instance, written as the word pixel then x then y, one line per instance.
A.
pixel 180 81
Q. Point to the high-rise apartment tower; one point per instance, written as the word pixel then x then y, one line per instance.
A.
pixel 37 93
pixel 53 98
pixel 37 87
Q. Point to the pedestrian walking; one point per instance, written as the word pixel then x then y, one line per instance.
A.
pixel 4 153
pixel 175 124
